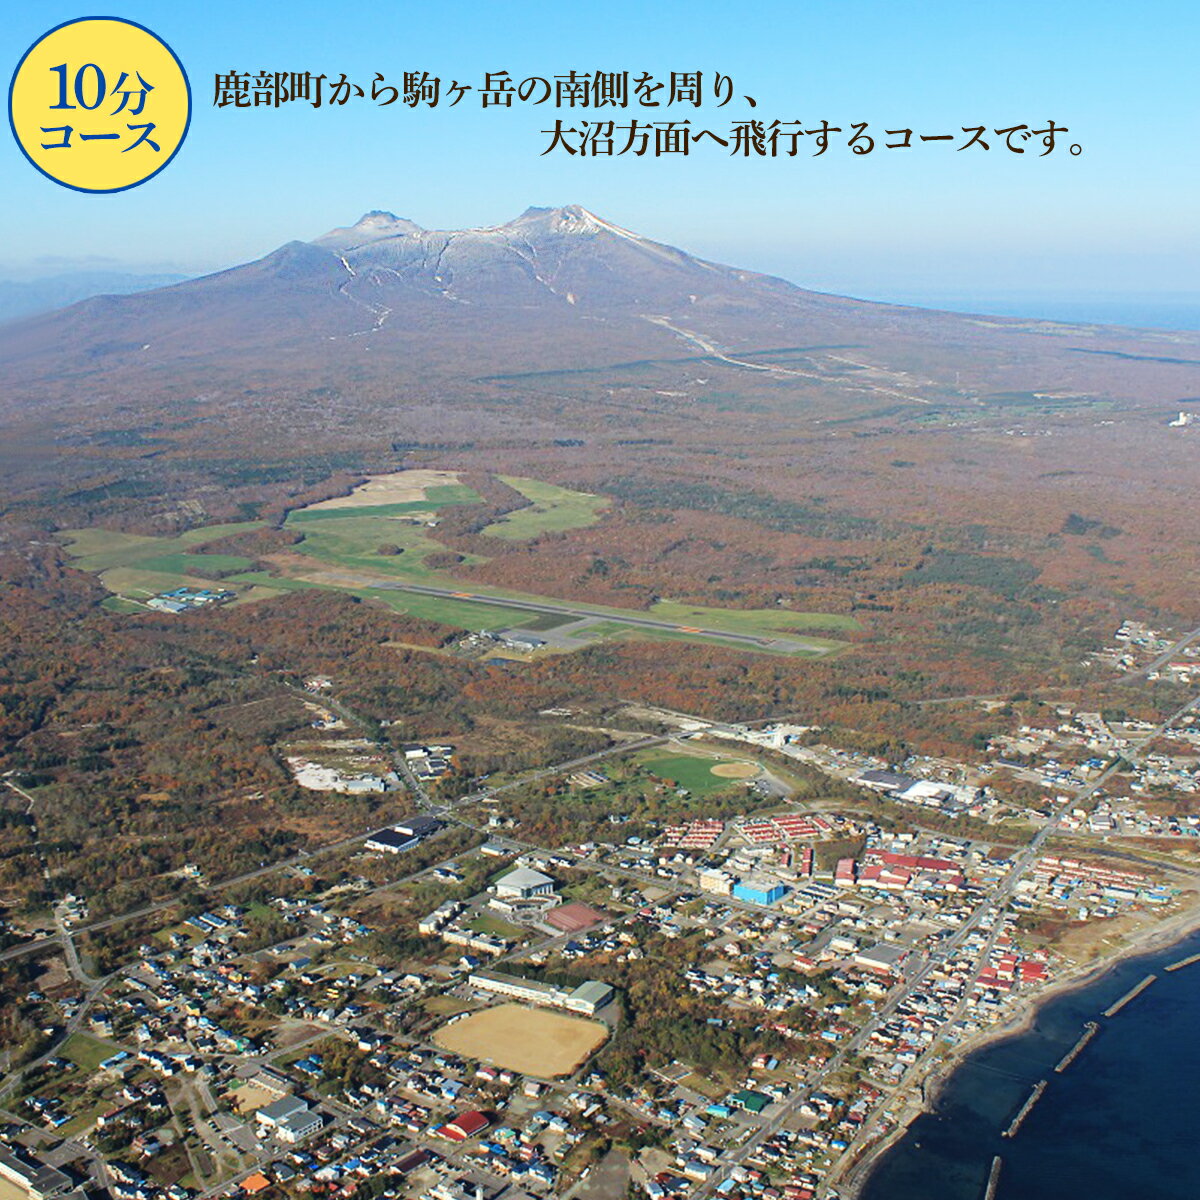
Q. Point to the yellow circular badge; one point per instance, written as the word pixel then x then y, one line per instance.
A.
pixel 100 104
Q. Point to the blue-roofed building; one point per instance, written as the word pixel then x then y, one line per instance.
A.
pixel 759 889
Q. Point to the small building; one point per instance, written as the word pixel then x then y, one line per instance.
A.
pixel 885 781
pixel 391 841
pixel 521 639
pixel 589 998
pixel 885 957
pixel 750 1101
pixel 713 880
pixel 363 784
pixel 418 827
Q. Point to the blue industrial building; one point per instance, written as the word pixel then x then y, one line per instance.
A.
pixel 759 889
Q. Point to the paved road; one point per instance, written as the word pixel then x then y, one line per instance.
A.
pixel 46 943
pixel 1163 658
pixel 161 906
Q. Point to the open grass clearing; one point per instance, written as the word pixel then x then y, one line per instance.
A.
pixel 98 549
pixel 87 1052
pixel 698 775
pixel 135 583
pixel 198 564
pixel 457 613
pixel 554 510
pixel 495 927
pixel 354 540
pixel 764 621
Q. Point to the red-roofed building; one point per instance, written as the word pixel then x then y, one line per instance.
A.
pixel 467 1125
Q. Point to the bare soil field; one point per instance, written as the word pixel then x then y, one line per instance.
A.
pixel 735 770
pixel 532 1041
pixel 401 487
pixel 250 1098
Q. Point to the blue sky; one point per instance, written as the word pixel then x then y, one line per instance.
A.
pixel 1121 218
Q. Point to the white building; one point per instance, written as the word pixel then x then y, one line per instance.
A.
pixel 523 883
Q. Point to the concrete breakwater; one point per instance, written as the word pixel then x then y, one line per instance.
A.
pixel 1089 1031
pixel 1132 994
pixel 1026 1109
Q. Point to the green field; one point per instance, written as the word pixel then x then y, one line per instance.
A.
pixel 764 621
pixel 353 541
pixel 495 927
pixel 440 496
pixel 684 770
pixel 343 547
pixel 98 549
pixel 87 1052
pixel 458 613
pixel 212 565
pixel 119 604
pixel 554 510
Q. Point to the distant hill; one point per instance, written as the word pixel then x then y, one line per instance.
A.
pixel 22 299
pixel 554 288
pixel 558 328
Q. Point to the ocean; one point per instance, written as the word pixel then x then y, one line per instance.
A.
pixel 1178 312
pixel 1121 1123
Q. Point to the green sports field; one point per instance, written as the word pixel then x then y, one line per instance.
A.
pixel 693 773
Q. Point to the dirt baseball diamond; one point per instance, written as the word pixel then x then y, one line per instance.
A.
pixel 533 1041
pixel 249 1097
pixel 400 487
pixel 735 770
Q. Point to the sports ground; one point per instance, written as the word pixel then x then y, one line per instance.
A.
pixel 533 1041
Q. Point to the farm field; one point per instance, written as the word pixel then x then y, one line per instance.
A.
pixel 97 549
pixel 554 510
pixel 533 1041
pixel 402 487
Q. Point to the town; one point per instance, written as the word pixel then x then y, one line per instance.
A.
pixel 730 980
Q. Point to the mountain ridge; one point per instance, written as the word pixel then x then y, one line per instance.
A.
pixel 388 303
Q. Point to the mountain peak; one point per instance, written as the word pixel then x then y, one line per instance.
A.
pixel 370 227
pixel 378 218
pixel 570 218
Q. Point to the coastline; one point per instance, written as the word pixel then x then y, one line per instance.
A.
pixel 925 1090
